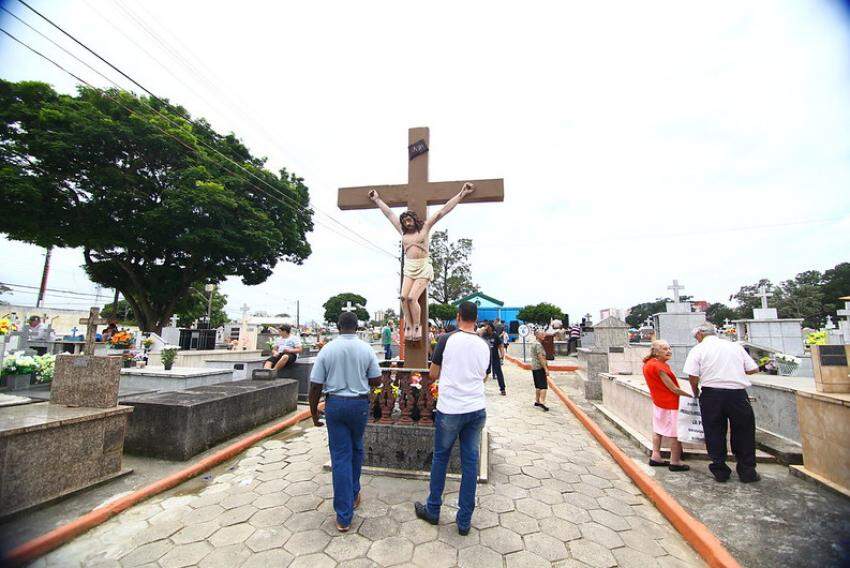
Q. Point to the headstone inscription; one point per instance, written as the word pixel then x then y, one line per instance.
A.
pixel 831 370
pixel 417 194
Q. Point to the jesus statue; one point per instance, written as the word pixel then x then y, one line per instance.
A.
pixel 418 272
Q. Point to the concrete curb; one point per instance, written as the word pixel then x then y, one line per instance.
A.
pixel 694 532
pixel 43 544
pixel 527 366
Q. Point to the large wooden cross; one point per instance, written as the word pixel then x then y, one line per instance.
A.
pixel 417 194
pixel 91 329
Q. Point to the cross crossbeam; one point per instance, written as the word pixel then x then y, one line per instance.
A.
pixel 676 287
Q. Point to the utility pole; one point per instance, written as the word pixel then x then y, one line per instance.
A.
pixel 115 305
pixel 43 288
pixel 210 288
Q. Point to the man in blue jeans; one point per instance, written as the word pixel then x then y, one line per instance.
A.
pixel 344 370
pixel 459 362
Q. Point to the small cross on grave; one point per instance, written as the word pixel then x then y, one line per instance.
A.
pixel 74 331
pixel 764 295
pixel 648 322
pixel 676 287
pixel 348 307
pixel 174 321
pixel 91 324
pixel 829 323
pixel 844 325
pixel 726 322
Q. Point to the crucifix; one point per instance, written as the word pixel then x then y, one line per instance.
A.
pixel 764 294
pixel 676 287
pixel 91 323
pixel 417 194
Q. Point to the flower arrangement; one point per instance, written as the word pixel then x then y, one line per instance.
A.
pixel 19 364
pixel 435 389
pixel 46 365
pixel 416 381
pixel 816 338
pixel 785 358
pixel 168 353
pixel 147 342
pixel 7 326
pixel 121 340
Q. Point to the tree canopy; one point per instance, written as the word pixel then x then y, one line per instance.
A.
pixel 442 312
pixel 333 307
pixel 135 184
pixel 541 313
pixel 452 270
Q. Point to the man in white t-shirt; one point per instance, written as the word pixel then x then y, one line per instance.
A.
pixel 717 370
pixel 286 349
pixel 459 362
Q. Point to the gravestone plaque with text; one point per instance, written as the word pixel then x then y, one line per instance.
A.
pixel 833 356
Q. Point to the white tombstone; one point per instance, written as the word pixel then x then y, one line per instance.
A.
pixel 675 326
pixel 844 325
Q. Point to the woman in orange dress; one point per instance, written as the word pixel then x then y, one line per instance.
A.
pixel 665 392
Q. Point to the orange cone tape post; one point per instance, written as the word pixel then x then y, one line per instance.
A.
pixel 43 544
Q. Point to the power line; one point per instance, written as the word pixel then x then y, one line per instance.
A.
pixel 203 78
pixel 162 102
pixel 181 142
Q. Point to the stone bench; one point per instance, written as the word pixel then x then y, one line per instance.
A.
pixel 299 371
pixel 178 425
pixel 242 368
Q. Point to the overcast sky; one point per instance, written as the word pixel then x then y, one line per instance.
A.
pixel 639 142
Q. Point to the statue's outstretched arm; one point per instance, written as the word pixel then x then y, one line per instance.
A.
pixel 388 213
pixel 450 204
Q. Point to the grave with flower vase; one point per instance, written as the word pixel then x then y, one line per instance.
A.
pixel 399 437
pixel 51 449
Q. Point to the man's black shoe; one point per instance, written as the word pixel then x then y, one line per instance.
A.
pixel 544 407
pixel 462 532
pixel 422 513
pixel 721 478
pixel 504 393
pixel 750 478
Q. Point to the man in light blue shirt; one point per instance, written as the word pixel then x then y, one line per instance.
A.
pixel 344 371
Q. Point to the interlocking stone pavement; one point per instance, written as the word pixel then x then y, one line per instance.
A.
pixel 555 498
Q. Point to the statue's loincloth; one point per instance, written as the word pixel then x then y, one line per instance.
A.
pixel 419 268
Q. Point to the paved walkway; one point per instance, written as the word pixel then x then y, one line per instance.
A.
pixel 555 498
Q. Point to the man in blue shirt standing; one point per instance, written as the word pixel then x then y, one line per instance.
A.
pixel 344 370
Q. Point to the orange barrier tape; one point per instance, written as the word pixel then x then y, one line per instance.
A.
pixel 697 534
pixel 527 366
pixel 43 544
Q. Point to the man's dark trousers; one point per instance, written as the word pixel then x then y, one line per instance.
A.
pixel 717 406
pixel 346 421
pixel 496 368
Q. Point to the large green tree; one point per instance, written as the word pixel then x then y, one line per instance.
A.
pixel 442 312
pixel 638 314
pixel 194 307
pixel 333 307
pixel 137 187
pixel 452 269
pixel 541 313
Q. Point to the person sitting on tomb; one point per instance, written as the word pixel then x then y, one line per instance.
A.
pixel 35 327
pixel 286 349
pixel 418 271
pixel 111 329
pixel 665 392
